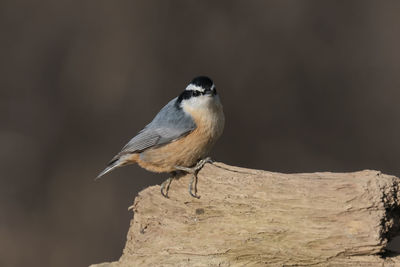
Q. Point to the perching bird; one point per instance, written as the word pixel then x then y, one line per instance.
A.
pixel 180 136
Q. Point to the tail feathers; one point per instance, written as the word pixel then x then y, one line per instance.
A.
pixel 115 163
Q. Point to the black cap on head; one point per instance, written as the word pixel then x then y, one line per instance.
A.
pixel 202 81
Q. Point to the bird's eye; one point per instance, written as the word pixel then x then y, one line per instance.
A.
pixel 195 93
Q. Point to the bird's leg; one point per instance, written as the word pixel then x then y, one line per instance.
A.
pixel 194 170
pixel 167 183
pixel 200 164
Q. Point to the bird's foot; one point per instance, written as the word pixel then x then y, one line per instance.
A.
pixel 165 185
pixel 202 162
pixel 193 189
pixel 194 170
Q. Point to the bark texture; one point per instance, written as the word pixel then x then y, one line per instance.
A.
pixel 259 218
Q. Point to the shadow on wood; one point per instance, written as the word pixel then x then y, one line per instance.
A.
pixel 254 217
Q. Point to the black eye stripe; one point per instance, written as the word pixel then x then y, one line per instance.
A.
pixel 188 94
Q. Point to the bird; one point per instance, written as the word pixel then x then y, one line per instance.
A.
pixel 179 138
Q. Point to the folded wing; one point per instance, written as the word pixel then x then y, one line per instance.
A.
pixel 170 124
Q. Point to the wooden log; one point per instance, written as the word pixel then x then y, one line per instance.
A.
pixel 259 218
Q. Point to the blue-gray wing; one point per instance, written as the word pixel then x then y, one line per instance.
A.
pixel 169 124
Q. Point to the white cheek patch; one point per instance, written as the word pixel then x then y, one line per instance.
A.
pixel 197 103
pixel 195 88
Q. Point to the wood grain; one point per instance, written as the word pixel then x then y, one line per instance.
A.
pixel 259 218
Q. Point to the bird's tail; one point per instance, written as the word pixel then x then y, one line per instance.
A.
pixel 114 163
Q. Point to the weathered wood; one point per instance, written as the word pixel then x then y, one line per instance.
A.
pixel 253 217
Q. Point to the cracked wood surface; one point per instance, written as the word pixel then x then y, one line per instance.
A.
pixel 259 218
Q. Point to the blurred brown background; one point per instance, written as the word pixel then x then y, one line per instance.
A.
pixel 306 86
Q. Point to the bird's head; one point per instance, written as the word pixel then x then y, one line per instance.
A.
pixel 200 93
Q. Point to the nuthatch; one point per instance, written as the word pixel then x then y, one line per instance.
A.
pixel 179 137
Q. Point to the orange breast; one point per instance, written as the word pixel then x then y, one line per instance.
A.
pixel 187 150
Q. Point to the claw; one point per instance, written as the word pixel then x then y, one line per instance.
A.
pixel 194 179
pixel 194 170
pixel 168 181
